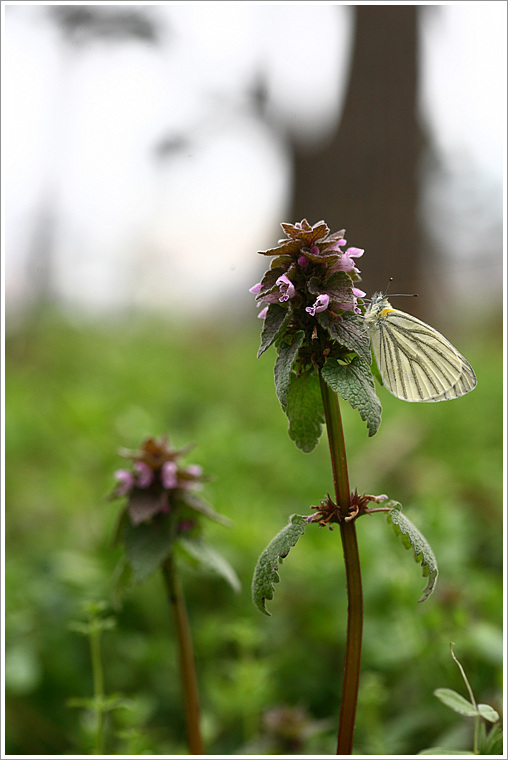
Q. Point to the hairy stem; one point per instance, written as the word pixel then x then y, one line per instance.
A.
pixel 353 654
pixel 186 656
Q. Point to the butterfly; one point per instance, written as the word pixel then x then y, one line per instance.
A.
pixel 415 361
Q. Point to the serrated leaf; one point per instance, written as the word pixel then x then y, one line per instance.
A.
pixel 268 282
pixel 273 322
pixel 412 538
pixel 488 713
pixel 208 557
pixel 304 408
pixel 286 247
pixel 283 364
pixel 456 702
pixel 338 286
pixel 265 574
pixel 349 332
pixel 148 545
pixel 354 383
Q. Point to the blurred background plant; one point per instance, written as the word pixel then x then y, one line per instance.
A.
pixel 130 243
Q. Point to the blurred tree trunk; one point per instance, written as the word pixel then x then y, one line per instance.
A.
pixel 365 179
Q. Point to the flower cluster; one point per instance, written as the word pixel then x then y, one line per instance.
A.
pixel 312 272
pixel 156 483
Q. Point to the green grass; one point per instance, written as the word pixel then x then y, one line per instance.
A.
pixel 76 394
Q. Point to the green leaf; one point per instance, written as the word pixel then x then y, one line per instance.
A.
pixel 189 499
pixel 488 713
pixel 206 556
pixel 265 574
pixel 338 286
pixel 101 704
pixel 444 751
pixel 456 702
pixel 412 538
pixel 284 363
pixel 304 410
pixel 149 544
pixel 349 332
pixel 275 318
pixel 354 383
pixel 493 743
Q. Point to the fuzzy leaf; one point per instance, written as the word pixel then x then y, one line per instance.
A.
pixel 338 286
pixel 265 574
pixel 285 247
pixel 284 363
pixel 206 556
pixel 273 322
pixel 147 545
pixel 304 231
pixel 145 503
pixel 456 702
pixel 304 410
pixel 349 332
pixel 412 538
pixel 268 283
pixel 354 383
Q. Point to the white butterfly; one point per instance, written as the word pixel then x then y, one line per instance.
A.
pixel 415 361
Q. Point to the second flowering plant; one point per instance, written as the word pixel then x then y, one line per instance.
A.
pixel 160 525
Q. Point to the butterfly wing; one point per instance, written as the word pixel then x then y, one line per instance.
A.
pixel 415 361
pixel 465 383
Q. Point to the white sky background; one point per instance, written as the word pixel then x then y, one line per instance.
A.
pixel 80 124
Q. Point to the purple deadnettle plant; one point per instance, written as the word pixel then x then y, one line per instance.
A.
pixel 314 314
pixel 161 526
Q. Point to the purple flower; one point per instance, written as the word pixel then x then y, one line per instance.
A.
pixel 320 304
pixel 336 245
pixel 286 288
pixel 345 263
pixel 303 262
pixel 169 477
pixel 351 305
pixel 125 480
pixel 144 474
pixel 262 313
pixel 194 470
pixel 255 288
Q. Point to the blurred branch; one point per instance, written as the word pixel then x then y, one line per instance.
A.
pixel 80 23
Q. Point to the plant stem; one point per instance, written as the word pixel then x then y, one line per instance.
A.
pixel 98 686
pixel 353 654
pixel 186 656
pixel 476 736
